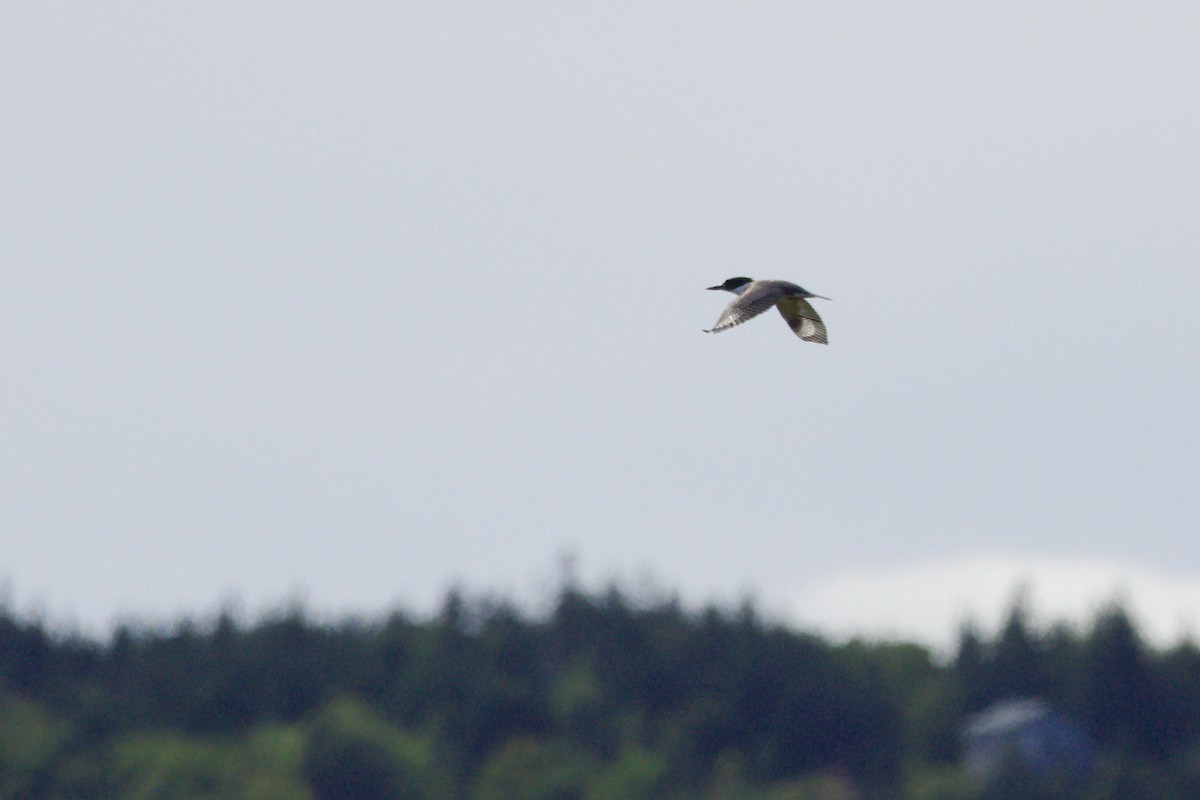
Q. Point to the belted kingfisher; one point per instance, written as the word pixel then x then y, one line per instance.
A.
pixel 755 297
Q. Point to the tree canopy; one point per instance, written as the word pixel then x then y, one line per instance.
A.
pixel 605 696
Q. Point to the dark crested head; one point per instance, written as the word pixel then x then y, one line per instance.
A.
pixel 732 284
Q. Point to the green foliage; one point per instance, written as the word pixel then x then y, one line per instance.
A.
pixel 1015 779
pixel 534 769
pixel 820 786
pixel 1125 707
pixel 166 766
pixel 30 739
pixel 730 782
pixel 942 784
pixel 607 697
pixel 636 774
pixel 578 706
pixel 933 714
pixel 1130 777
pixel 353 754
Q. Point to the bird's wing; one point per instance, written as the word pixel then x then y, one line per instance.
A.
pixel 803 319
pixel 746 306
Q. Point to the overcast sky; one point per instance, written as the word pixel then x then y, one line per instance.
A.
pixel 355 302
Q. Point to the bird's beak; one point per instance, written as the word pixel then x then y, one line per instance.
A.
pixel 823 297
pixel 715 287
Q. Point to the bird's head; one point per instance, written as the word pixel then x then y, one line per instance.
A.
pixel 735 285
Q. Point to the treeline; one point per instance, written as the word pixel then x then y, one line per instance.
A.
pixel 606 697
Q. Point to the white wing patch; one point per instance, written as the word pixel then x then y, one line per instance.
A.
pixel 745 307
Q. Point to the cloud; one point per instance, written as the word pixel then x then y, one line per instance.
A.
pixel 928 601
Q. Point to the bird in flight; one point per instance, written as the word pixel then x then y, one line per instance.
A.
pixel 755 297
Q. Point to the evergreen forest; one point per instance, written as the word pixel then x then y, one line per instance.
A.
pixel 605 696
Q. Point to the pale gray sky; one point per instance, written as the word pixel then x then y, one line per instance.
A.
pixel 358 301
